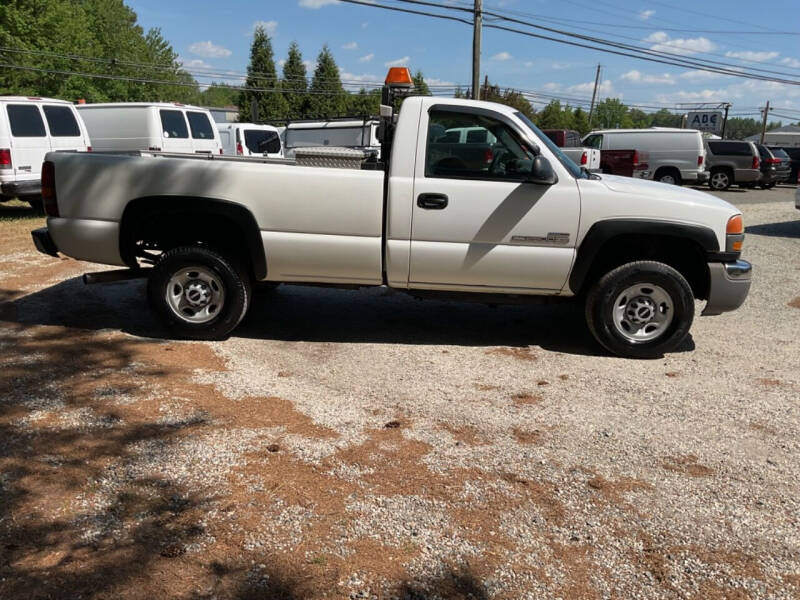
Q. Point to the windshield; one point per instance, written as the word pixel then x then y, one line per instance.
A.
pixel 565 160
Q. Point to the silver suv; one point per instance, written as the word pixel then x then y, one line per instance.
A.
pixel 732 161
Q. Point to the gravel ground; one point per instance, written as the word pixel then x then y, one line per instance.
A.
pixel 363 444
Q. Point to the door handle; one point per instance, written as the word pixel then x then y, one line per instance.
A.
pixel 432 201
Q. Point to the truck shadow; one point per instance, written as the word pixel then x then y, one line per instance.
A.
pixel 310 314
pixel 787 229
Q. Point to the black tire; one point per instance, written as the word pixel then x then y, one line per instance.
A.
pixel 672 176
pixel 600 308
pixel 227 275
pixel 720 180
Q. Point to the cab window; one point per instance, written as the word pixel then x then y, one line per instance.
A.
pixel 594 141
pixel 173 124
pixel 61 121
pixel 500 155
pixel 201 128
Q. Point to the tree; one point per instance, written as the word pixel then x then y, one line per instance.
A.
pixel 219 95
pixel 580 121
pixel 611 113
pixel 262 83
pixel 553 116
pixel 364 103
pixel 509 97
pixel 664 118
pixel 295 85
pixel 327 96
pixel 420 87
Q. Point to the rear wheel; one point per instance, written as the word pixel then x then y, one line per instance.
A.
pixel 199 293
pixel 720 180
pixel 670 176
pixel 640 310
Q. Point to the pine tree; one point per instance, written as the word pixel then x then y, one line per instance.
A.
pixel 420 87
pixel 261 75
pixel 327 96
pixel 580 121
pixel 294 84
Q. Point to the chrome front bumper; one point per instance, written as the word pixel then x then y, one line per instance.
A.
pixel 729 285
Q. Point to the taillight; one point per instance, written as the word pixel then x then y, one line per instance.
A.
pixel 239 149
pixel 220 150
pixel 638 166
pixel 5 158
pixel 756 164
pixel 49 200
pixel 700 161
pixel 88 148
pixel 584 158
pixel 489 156
pixel 773 161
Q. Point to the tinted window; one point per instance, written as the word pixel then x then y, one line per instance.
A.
pixel 61 121
pixel 507 158
pixel 778 153
pixel 173 124
pixel 553 135
pixel 201 128
pixel 477 136
pixel 565 160
pixel 254 138
pixel 25 120
pixel 730 148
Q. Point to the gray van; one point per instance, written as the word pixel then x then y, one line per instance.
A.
pixel 732 161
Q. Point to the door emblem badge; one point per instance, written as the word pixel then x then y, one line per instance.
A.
pixel 552 238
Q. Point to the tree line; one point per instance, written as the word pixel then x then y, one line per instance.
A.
pixel 95 50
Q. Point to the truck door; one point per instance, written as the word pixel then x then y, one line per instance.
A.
pixel 175 133
pixel 65 133
pixel 476 224
pixel 29 141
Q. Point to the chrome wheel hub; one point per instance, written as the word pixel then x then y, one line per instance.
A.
pixel 195 294
pixel 642 312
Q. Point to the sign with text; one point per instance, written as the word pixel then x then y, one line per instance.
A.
pixel 710 121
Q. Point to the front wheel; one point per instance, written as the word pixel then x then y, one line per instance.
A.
pixel 198 293
pixel 720 181
pixel 670 176
pixel 640 310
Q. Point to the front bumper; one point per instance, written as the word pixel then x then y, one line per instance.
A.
pixel 728 287
pixel 43 242
pixel 16 189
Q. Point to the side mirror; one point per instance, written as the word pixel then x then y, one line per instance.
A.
pixel 271 144
pixel 542 172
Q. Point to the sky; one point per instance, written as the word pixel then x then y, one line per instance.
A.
pixel 214 37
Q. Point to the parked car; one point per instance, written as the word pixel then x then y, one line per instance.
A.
pixel 29 129
pixel 534 224
pixel 675 156
pixel 361 134
pixel 794 157
pixel 732 162
pixel 570 143
pixel 774 169
pixel 250 139
pixel 154 126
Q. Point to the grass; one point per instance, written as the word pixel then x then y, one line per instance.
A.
pixel 16 210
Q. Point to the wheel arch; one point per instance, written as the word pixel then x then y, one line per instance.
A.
pixel 613 242
pixel 168 221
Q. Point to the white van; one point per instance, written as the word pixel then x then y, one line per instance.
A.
pixel 250 139
pixel 29 129
pixel 361 134
pixel 156 126
pixel 674 155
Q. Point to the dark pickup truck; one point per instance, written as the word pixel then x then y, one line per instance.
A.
pixel 630 163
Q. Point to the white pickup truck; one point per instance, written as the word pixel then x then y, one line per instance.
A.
pixel 528 224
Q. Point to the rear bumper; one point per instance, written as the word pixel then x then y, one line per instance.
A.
pixel 43 242
pixel 695 176
pixel 15 189
pixel 729 285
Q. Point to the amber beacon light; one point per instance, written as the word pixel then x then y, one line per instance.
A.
pixel 399 77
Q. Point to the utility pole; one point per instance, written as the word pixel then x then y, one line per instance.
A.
pixel 764 123
pixel 725 120
pixel 594 96
pixel 476 48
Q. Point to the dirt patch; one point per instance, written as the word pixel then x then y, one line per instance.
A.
pixel 613 491
pixel 486 387
pixel 672 373
pixel 687 465
pixel 526 398
pixel 526 436
pixel 762 427
pixel 795 303
pixel 769 382
pixel 464 434
pixel 518 353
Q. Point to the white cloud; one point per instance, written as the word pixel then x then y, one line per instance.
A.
pixel 501 56
pixel 194 63
pixel 686 46
pixel 791 62
pixel 635 76
pixel 316 3
pixel 754 56
pixel 281 62
pixel 366 57
pixel 646 14
pixel 398 62
pixel 606 88
pixel 363 78
pixel 269 26
pixel 697 75
pixel 209 50
pixel 552 87
pixel 310 65
pixel 528 64
pixel 365 24
pixel 350 46
pixel 436 81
